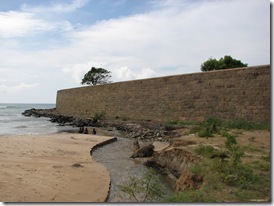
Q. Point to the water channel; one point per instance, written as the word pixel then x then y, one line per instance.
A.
pixel 115 157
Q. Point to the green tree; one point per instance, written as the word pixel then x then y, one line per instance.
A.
pixel 227 62
pixel 96 76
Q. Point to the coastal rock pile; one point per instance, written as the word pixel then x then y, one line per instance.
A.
pixel 145 131
pixel 40 113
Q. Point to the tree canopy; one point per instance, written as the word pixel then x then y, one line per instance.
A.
pixel 96 76
pixel 223 63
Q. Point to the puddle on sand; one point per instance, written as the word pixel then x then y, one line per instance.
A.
pixel 115 157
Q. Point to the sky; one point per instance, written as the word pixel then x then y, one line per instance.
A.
pixel 49 45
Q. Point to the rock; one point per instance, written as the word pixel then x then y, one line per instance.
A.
pixel 174 160
pixel 155 165
pixel 136 145
pixel 146 151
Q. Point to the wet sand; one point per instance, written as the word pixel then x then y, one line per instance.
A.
pixel 52 168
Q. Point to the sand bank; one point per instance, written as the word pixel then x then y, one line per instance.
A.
pixel 40 169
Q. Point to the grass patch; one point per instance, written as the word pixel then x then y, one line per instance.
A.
pixel 205 132
pixel 245 125
pixel 213 126
pixel 205 150
pixel 190 196
pixel 266 157
pixel 173 124
pixel 245 195
pixel 197 169
pixel 231 179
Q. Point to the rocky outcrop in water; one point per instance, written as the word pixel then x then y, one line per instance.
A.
pixel 142 130
pixel 146 151
pixel 40 112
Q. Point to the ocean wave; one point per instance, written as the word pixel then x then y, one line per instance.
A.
pixel 3 107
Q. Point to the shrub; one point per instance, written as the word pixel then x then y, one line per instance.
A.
pixel 205 133
pixel 208 128
pixel 233 172
pixel 147 187
pixel 214 121
pixel 98 116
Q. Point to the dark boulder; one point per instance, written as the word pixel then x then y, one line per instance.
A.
pixel 146 151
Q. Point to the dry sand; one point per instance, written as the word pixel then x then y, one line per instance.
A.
pixel 40 169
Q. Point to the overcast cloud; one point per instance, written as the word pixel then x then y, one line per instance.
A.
pixel 50 45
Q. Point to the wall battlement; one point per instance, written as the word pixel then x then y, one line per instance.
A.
pixel 227 94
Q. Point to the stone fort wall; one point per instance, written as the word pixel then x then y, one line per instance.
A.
pixel 227 94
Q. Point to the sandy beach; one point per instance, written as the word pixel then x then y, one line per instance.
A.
pixel 52 168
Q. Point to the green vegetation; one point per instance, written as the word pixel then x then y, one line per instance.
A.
pixel 98 116
pixel 234 172
pixel 266 157
pixel 244 179
pixel 206 150
pixel 173 124
pixel 190 196
pixel 212 126
pixel 96 76
pixel 144 188
pixel 228 180
pixel 245 125
pixel 231 172
pixel 223 63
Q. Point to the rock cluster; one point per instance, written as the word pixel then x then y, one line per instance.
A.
pixel 144 131
pixel 146 151
pixel 40 112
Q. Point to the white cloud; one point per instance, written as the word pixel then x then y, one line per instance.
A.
pixel 175 37
pixel 55 7
pixel 17 88
pixel 125 73
pixel 19 24
pixel 14 24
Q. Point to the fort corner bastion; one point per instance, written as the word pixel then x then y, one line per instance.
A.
pixel 242 93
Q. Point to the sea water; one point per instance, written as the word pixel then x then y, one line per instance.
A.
pixel 12 122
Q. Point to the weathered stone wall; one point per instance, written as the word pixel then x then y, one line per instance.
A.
pixel 227 94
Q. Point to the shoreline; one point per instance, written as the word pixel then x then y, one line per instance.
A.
pixel 52 168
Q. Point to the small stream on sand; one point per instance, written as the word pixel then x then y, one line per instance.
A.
pixel 115 157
